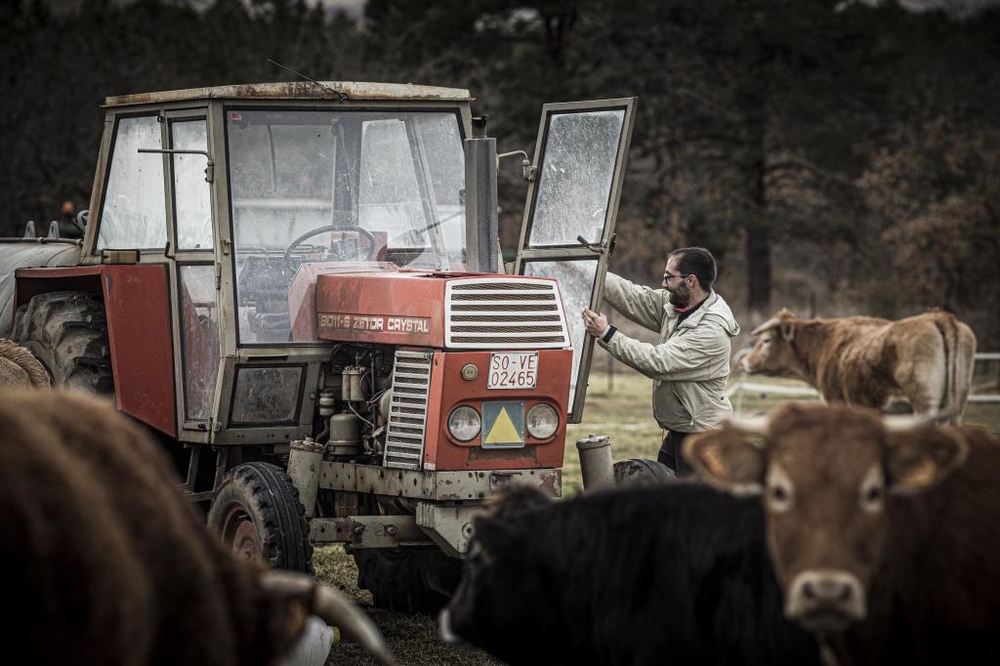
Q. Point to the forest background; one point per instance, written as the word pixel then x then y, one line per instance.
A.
pixel 838 157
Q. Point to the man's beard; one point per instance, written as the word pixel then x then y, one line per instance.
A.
pixel 680 297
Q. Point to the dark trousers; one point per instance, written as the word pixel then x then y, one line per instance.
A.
pixel 670 453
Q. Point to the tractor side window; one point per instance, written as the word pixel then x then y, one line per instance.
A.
pixel 134 214
pixel 192 197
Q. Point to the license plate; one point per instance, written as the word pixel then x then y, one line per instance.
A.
pixel 514 370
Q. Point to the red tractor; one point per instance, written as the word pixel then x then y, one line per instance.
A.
pixel 297 287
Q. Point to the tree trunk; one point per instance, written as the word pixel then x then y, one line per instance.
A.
pixel 758 243
pixel 758 262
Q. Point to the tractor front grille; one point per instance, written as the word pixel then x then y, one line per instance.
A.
pixel 501 313
pixel 404 439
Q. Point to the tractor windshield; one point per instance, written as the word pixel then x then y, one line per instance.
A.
pixel 339 188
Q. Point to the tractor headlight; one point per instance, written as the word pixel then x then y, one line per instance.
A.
pixel 464 423
pixel 542 421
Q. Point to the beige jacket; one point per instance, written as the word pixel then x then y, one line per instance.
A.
pixel 690 365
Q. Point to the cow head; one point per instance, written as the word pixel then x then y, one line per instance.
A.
pixel 500 604
pixel 773 350
pixel 824 472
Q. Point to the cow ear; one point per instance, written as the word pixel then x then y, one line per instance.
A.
pixel 920 458
pixel 727 459
pixel 788 329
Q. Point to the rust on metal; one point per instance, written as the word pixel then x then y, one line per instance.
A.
pixel 441 486
pixel 364 91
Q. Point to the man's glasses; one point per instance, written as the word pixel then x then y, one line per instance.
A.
pixel 667 277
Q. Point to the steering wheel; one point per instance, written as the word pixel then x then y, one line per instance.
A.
pixel 346 250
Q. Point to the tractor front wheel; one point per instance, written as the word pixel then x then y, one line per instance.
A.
pixel 257 512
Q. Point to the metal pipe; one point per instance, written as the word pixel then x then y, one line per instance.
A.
pixel 595 461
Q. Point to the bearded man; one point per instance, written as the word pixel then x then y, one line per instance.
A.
pixel 690 365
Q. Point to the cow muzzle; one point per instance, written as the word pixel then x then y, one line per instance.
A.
pixel 739 360
pixel 826 600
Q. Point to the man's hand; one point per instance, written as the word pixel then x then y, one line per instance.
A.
pixel 595 322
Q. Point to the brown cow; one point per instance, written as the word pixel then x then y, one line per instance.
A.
pixel 19 368
pixel 105 562
pixel 867 362
pixel 855 543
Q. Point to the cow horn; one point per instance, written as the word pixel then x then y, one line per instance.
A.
pixel 773 322
pixel 905 422
pixel 739 356
pixel 333 608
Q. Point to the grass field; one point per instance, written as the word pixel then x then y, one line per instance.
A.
pixel 617 406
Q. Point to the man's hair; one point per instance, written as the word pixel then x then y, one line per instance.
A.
pixel 696 261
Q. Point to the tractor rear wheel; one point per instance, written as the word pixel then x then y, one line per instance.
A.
pixel 256 511
pixel 411 580
pixel 68 332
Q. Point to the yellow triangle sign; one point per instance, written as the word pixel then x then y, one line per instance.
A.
pixel 503 430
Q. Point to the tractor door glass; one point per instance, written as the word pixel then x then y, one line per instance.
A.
pixel 576 282
pixel 199 339
pixel 192 198
pixel 574 182
pixel 134 211
pixel 348 189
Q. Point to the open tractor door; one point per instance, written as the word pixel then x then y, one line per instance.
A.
pixel 569 220
pixel 291 285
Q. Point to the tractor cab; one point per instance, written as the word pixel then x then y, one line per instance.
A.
pixel 238 190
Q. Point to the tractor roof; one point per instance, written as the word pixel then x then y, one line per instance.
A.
pixel 300 90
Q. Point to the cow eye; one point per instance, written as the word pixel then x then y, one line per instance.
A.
pixel 780 490
pixel 872 497
pixel 780 497
pixel 873 491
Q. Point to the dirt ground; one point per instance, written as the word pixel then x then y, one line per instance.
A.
pixel 412 638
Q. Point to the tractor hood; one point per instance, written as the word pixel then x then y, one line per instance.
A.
pixel 441 310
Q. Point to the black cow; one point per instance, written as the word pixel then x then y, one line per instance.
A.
pixel 676 573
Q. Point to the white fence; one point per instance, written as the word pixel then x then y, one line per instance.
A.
pixel 808 392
